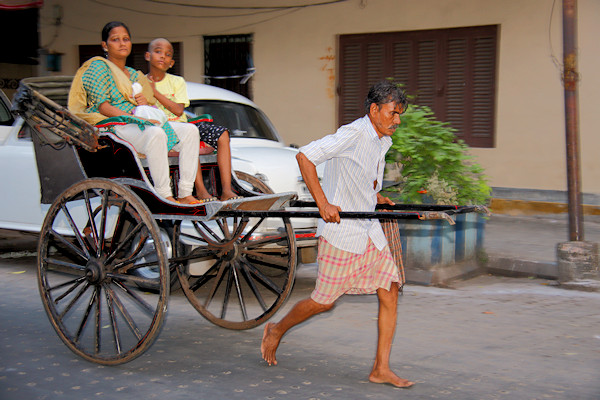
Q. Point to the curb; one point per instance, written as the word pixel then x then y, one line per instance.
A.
pixel 520 267
pixel 533 207
pixel 583 285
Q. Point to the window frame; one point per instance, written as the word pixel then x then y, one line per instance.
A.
pixel 229 55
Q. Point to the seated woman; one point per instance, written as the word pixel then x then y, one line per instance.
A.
pixel 102 88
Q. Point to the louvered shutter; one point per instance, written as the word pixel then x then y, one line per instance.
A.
pixel 402 56
pixel 350 72
pixel 453 71
pixel 426 61
pixel 484 92
pixel 456 85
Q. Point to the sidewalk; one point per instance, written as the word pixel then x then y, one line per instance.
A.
pixel 526 245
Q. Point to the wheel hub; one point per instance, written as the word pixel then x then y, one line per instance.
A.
pixel 95 271
pixel 232 253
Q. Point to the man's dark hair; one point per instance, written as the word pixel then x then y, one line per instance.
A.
pixel 110 26
pixel 385 92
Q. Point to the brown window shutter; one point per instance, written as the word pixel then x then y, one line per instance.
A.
pixel 402 66
pixel 456 84
pixel 453 71
pixel 350 71
pixel 375 62
pixel 484 89
pixel 426 73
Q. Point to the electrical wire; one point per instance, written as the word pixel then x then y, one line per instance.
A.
pixel 287 7
pixel 554 59
pixel 235 28
pixel 260 10
pixel 162 14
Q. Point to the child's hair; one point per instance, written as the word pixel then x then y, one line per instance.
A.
pixel 153 42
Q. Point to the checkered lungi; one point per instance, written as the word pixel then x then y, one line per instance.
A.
pixel 391 230
pixel 342 272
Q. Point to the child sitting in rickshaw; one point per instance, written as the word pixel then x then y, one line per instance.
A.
pixel 171 93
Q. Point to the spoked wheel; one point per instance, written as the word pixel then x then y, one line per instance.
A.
pixel 95 235
pixel 241 270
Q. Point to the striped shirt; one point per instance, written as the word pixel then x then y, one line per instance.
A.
pixel 355 159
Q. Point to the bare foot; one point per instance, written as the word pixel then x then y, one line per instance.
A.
pixel 389 377
pixel 171 198
pixel 202 193
pixel 188 200
pixel 269 344
pixel 227 194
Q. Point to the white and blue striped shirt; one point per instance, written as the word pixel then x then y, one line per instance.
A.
pixel 355 159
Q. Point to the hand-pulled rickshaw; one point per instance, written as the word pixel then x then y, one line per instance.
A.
pixel 110 248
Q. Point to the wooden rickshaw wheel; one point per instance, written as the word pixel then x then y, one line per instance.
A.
pixel 242 270
pixel 95 234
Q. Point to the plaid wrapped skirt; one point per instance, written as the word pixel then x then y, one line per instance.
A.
pixel 342 272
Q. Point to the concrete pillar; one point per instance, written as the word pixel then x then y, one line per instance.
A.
pixel 577 260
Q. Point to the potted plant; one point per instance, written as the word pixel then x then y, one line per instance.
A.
pixel 435 168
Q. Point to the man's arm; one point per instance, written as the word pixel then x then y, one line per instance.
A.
pixel 329 212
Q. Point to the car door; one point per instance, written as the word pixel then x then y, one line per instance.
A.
pixel 20 207
pixel 6 118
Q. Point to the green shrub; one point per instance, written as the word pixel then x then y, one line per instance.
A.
pixel 435 167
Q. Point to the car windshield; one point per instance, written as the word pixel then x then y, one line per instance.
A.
pixel 241 120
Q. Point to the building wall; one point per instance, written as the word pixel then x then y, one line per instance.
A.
pixel 296 60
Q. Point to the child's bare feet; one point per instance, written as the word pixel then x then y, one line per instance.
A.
pixel 202 193
pixel 228 194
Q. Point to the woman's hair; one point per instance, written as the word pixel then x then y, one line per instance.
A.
pixel 385 92
pixel 110 26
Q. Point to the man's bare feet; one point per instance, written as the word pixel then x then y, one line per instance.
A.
pixel 188 200
pixel 171 198
pixel 269 344
pixel 389 377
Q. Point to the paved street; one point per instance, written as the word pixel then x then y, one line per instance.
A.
pixel 485 338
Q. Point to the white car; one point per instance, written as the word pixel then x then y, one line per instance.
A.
pixel 257 150
pixel 256 147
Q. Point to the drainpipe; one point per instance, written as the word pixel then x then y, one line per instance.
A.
pixel 570 81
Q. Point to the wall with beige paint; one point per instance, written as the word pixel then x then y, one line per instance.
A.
pixel 295 56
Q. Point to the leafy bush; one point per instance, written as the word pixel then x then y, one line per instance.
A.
pixel 435 167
